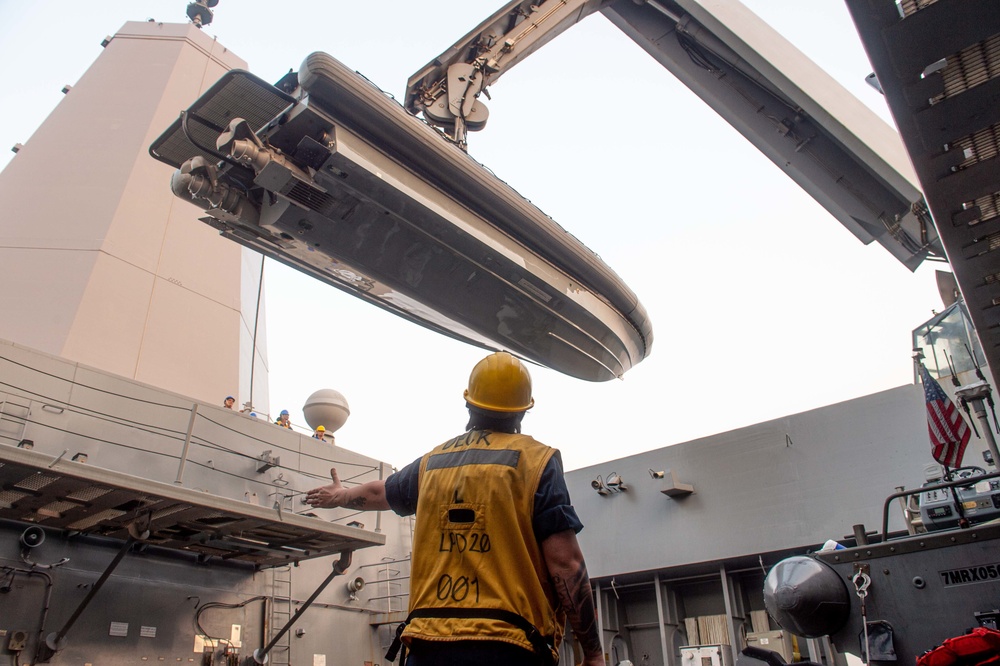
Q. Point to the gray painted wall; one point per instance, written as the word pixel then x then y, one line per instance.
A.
pixel 788 483
pixel 130 427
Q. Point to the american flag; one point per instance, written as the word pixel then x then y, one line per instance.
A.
pixel 948 430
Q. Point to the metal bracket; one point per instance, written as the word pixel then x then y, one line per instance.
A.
pixel 57 639
pixel 339 567
pixel 267 462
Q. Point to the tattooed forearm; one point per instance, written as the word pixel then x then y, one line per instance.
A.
pixel 576 598
pixel 356 503
pixel 366 497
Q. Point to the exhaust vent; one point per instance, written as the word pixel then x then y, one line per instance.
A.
pixel 986 208
pixel 979 147
pixel 907 7
pixel 970 67
pixel 310 197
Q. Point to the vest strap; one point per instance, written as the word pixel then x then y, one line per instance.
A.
pixel 397 643
pixel 541 644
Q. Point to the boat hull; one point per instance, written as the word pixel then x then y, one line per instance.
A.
pixel 346 186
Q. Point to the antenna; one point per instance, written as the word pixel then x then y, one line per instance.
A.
pixel 200 12
pixel 979 371
pixel 989 396
pixel 951 368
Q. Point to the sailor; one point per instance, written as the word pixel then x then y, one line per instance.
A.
pixel 283 420
pixel 497 569
pixel 320 433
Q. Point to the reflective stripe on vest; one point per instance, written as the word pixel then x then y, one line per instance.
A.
pixel 474 544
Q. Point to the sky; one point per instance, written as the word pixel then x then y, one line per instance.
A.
pixel 762 304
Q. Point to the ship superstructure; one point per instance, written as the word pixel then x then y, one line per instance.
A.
pixel 142 524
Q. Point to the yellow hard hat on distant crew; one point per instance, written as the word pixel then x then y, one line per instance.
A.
pixel 321 429
pixel 500 383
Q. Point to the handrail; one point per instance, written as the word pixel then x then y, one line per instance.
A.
pixel 916 491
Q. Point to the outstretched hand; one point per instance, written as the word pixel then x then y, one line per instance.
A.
pixel 326 497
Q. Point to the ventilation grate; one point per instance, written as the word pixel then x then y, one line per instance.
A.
pixel 9 497
pixel 217 520
pixel 169 511
pixel 237 94
pixel 989 206
pixel 979 147
pixel 35 482
pixel 993 241
pixel 88 494
pixel 907 7
pixel 310 197
pixel 970 67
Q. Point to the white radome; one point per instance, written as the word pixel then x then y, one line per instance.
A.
pixel 327 408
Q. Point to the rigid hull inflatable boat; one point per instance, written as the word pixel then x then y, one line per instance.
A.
pixel 325 173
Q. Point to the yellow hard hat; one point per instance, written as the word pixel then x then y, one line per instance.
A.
pixel 321 429
pixel 500 383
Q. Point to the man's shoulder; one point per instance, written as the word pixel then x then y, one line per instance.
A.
pixel 536 453
pixel 532 443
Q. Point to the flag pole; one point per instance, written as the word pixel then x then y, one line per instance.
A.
pixel 989 396
pixel 979 394
pixel 958 385
pixel 976 395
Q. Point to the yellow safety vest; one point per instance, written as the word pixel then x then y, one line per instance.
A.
pixel 475 556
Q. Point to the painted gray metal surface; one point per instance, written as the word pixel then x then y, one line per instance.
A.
pixel 827 141
pixel 788 483
pixel 937 63
pixel 133 436
pixel 782 486
pixel 929 587
pixel 63 494
pixel 774 489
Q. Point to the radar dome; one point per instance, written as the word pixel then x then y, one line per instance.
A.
pixel 327 408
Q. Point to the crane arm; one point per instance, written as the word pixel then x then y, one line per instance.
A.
pixel 838 150
pixel 447 89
